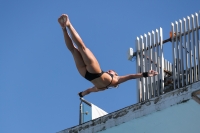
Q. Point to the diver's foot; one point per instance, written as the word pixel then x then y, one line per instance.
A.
pixel 66 20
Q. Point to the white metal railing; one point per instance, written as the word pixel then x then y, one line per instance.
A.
pixel 89 111
pixel 185 42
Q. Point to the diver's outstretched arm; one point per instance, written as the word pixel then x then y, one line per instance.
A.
pixel 125 78
pixel 88 91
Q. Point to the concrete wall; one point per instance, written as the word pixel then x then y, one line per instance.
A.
pixel 180 118
pixel 173 112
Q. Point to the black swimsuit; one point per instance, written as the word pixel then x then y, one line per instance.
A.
pixel 90 76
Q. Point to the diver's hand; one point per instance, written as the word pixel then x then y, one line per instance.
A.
pixel 152 73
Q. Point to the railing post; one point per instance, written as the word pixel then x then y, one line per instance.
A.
pixel 157 61
pixel 145 66
pixel 181 50
pixel 177 49
pixel 186 54
pixel 198 47
pixel 150 64
pixel 138 70
pixel 80 113
pixel 194 49
pixel 154 60
pixel 142 65
pixel 174 58
pixel 190 50
pixel 161 61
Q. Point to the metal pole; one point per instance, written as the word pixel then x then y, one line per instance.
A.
pixel 186 57
pixel 198 48
pixel 150 64
pixel 174 58
pixel 80 114
pixel 177 49
pixel 190 50
pixel 142 66
pixel 158 63
pixel 138 69
pixel 154 59
pixel 161 62
pixel 194 49
pixel 146 66
pixel 88 103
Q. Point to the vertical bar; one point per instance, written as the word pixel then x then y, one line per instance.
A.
pixel 145 65
pixel 165 74
pixel 165 64
pixel 181 51
pixel 161 61
pixel 80 113
pixel 154 60
pixel 158 69
pixel 156 77
pixel 197 42
pixel 173 54
pixel 194 48
pixel 142 66
pixel 171 69
pixel 150 63
pixel 138 69
pixel 168 66
pixel 186 58
pixel 177 48
pixel 190 52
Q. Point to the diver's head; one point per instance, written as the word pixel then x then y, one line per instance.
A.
pixel 112 72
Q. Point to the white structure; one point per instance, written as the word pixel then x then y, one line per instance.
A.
pixel 89 111
pixel 173 112
pixel 184 69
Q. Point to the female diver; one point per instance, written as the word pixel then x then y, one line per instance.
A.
pixel 88 65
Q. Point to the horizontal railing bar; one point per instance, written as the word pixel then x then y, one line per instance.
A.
pixel 88 103
pixel 170 39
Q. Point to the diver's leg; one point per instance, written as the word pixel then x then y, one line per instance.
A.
pixel 89 59
pixel 76 54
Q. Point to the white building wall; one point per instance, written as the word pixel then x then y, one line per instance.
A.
pixel 174 111
pixel 180 118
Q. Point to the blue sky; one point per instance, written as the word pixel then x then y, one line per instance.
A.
pixel 38 78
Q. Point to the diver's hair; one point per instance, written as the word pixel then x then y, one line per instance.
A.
pixel 116 75
pixel 115 72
